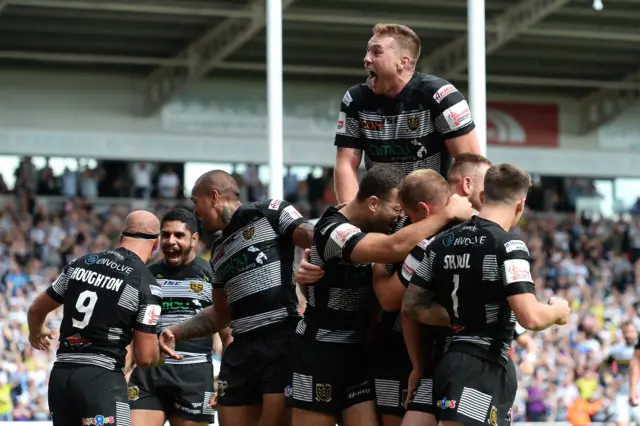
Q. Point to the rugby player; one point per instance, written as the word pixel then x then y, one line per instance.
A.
pixel 623 354
pixel 109 299
pixel 480 273
pixel 254 291
pixel 399 117
pixel 181 389
pixel 331 377
pixel 422 194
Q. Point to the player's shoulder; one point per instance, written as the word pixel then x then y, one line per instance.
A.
pixel 272 204
pixel 355 94
pixel 432 85
pixel 157 267
pixel 331 216
pixel 201 266
pixel 334 225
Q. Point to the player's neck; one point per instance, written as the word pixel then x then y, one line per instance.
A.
pixel 354 212
pixel 502 215
pixel 398 85
pixel 138 249
pixel 229 210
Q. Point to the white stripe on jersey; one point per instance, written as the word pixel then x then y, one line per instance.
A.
pixel 255 280
pixel 60 284
pixel 97 360
pixel 189 358
pixel 349 299
pixel 129 298
pixel 243 325
pixel 490 271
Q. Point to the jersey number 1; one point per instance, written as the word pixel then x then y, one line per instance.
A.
pixel 85 304
pixel 454 294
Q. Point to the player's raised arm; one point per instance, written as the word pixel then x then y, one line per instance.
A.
pixel 375 247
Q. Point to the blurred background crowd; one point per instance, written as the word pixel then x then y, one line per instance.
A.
pixel 586 259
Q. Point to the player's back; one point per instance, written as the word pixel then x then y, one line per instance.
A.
pixel 468 264
pixel 102 301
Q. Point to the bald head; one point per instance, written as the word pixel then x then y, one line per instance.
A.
pixel 220 181
pixel 141 222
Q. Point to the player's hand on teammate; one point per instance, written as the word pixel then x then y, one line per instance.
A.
pixel 563 308
pixel 306 273
pixel 633 397
pixel 41 340
pixel 459 208
pixel 414 381
pixel 167 343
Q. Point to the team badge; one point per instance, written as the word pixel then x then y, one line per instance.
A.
pixel 196 287
pixel 222 387
pixel 493 416
pixel 413 123
pixel 323 392
pixel 159 276
pixel 133 392
pixel 247 234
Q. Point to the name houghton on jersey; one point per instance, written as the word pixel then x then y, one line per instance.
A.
pixel 96 279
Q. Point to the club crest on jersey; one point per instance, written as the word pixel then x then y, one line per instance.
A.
pixel 323 392
pixel 493 416
pixel 222 387
pixel 413 123
pixel 159 276
pixel 133 392
pixel 196 287
pixel 247 234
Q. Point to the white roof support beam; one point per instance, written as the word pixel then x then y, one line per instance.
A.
pixel 452 58
pixel 203 55
pixel 605 105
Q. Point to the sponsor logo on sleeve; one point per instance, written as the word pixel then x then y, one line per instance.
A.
pixel 340 128
pixel 409 267
pixel 514 245
pixel 344 233
pixel 458 115
pixel 291 211
pixel 155 290
pixel 347 99
pixel 517 271
pixel 275 204
pixel 425 243
pixel 152 314
pixel 443 92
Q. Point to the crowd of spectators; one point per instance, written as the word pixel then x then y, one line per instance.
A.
pixel 587 261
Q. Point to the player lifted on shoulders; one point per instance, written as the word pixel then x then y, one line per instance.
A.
pixel 179 390
pixel 400 117
pixel 331 376
pixel 480 273
pixel 254 291
pixel 109 299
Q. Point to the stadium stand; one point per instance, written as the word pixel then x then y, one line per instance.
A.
pixel 584 260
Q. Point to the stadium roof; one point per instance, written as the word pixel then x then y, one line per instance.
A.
pixel 536 47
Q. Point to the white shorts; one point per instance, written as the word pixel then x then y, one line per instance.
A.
pixel 625 412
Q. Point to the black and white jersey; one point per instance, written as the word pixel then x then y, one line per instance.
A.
pixel 186 290
pixel 409 131
pixel 340 305
pixel 472 269
pixel 253 264
pixel 106 296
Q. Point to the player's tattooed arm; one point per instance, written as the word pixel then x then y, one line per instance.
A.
pixel 303 235
pixel 419 304
pixel 203 324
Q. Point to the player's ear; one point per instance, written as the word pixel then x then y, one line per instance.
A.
pixel 482 196
pixel 467 186
pixel 423 209
pixel 195 237
pixel 520 205
pixel 155 245
pixel 373 202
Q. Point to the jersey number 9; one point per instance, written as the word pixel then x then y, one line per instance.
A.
pixel 85 304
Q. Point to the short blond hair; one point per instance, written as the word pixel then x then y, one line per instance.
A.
pixel 463 163
pixel 423 186
pixel 405 36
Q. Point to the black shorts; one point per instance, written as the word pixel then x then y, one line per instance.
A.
pixel 88 395
pixel 391 369
pixel 472 390
pixel 255 366
pixel 329 377
pixel 182 390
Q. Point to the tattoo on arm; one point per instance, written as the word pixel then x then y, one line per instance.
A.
pixel 203 324
pixel 303 235
pixel 416 303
